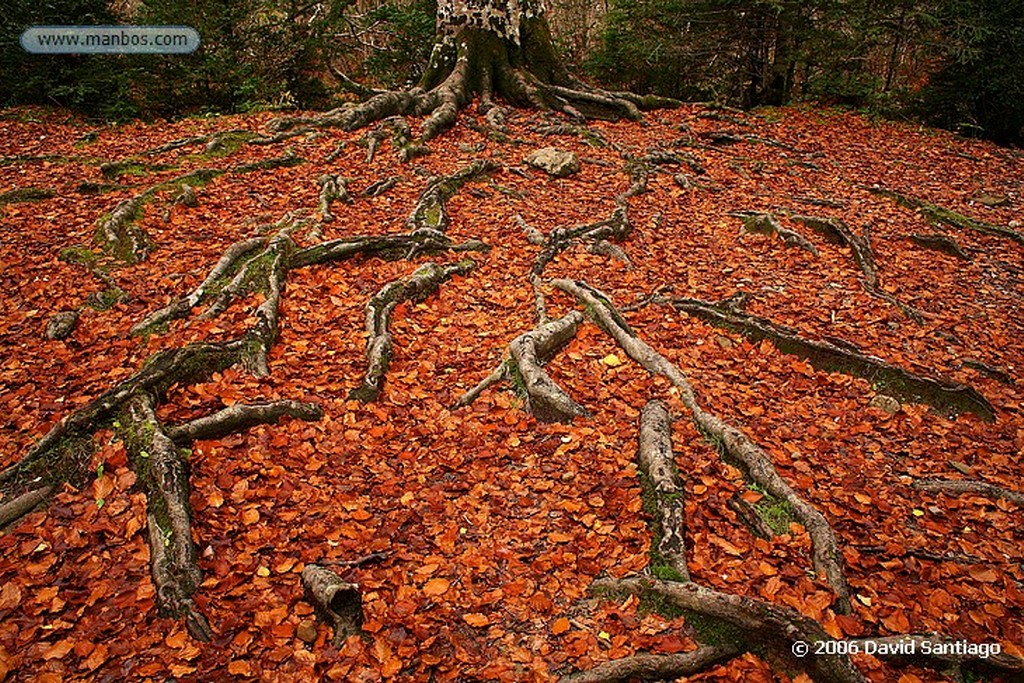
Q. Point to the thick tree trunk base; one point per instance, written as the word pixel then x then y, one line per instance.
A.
pixel 476 62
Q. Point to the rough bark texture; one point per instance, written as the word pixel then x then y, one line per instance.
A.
pixel 664 492
pixel 163 475
pixel 655 667
pixel 241 417
pixel 960 486
pixel 336 601
pixel 761 627
pixel 547 401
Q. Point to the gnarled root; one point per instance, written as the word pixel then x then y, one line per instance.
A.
pixel 430 212
pixel 240 417
pixel 481 62
pixel 839 232
pixel 422 283
pixel 659 470
pixel 655 667
pixel 163 476
pixel 767 224
pixel 836 355
pixel 753 624
pixel 523 366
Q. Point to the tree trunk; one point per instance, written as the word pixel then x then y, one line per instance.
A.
pixel 493 49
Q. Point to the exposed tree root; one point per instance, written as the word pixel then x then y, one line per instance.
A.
pixel 240 417
pixel 527 354
pixel 958 486
pixel 163 475
pixel 989 370
pixel 422 283
pixel 786 639
pixel 118 232
pixel 213 143
pixel 757 626
pixel 20 506
pixel 401 138
pixel 616 227
pixel 379 187
pixel 837 231
pixel 592 137
pixel 475 60
pixel 939 216
pixel 736 446
pixel 430 212
pixel 227 265
pixel 664 494
pixel 750 517
pixel 336 601
pixel 332 188
pixel 940 242
pixel 767 224
pixel 655 667
pixel 836 355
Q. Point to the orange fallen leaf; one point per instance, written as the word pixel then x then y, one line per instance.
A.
pixel 476 619
pixel 436 587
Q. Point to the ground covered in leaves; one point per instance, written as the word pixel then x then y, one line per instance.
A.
pixel 493 525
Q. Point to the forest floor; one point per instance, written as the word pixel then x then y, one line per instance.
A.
pixel 494 525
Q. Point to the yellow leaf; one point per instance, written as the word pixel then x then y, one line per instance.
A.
pixel 917 512
pixel 611 360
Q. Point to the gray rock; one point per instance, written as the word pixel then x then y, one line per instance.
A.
pixel 886 403
pixel 62 324
pixel 555 162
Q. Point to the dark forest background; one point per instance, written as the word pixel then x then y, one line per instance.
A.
pixel 957 64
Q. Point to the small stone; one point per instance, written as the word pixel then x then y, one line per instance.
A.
pixel 555 162
pixel 307 631
pixel 886 403
pixel 62 324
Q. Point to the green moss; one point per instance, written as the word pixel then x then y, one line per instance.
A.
pixel 27 194
pixel 712 631
pixel 79 255
pixel 226 144
pixel 107 299
pixel 653 603
pixel 130 167
pixel 516 378
pixel 666 573
pixel 776 512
